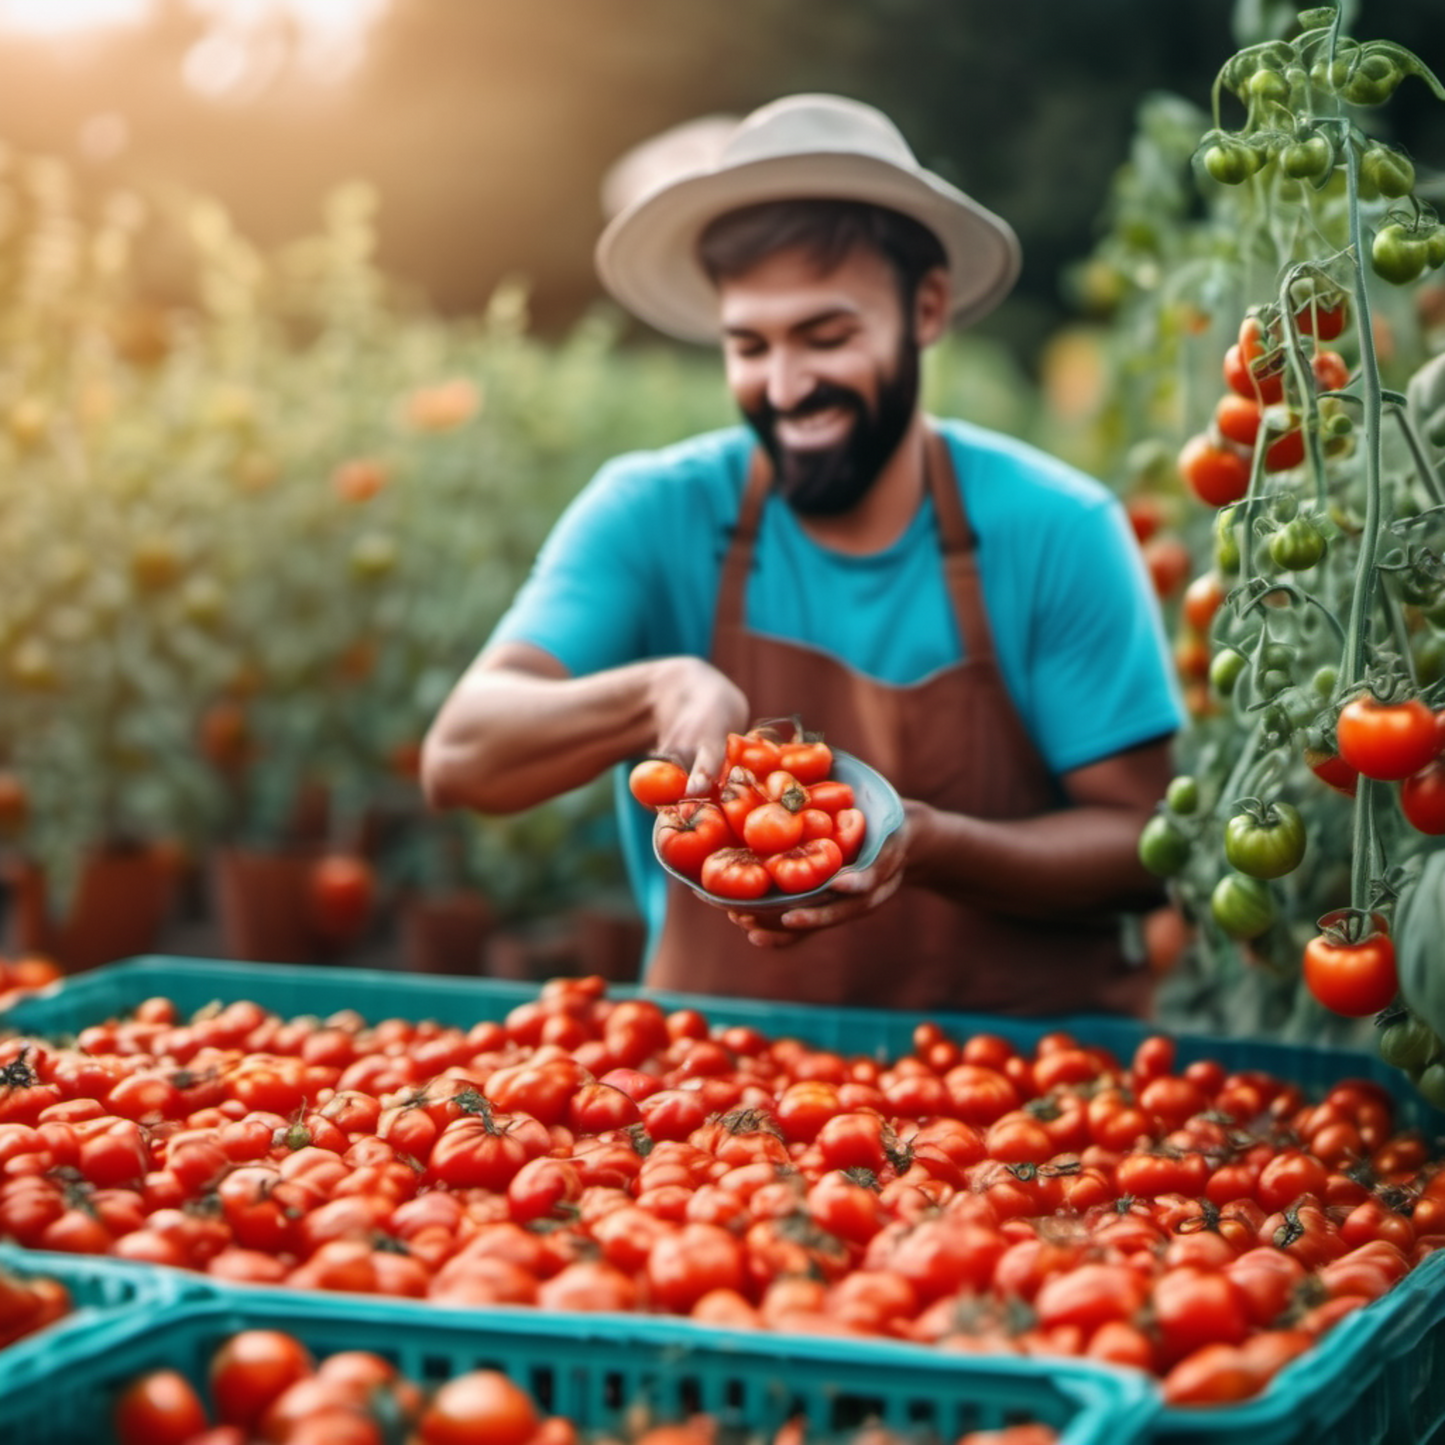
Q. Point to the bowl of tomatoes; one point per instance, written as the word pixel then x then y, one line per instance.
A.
pixel 768 840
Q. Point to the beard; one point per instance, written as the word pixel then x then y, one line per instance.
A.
pixel 833 480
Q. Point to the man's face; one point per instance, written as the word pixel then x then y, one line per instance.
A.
pixel 825 369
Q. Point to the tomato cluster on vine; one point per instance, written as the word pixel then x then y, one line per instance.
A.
pixel 776 821
pixel 1260 409
pixel 596 1153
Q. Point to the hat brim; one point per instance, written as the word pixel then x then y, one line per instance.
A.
pixel 647 256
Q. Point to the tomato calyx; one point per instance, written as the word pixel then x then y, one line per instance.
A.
pixel 1349 927
pixel 18 1073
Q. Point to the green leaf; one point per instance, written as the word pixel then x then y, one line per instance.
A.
pixel 1419 926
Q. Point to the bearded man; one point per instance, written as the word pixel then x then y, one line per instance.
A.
pixel 959 610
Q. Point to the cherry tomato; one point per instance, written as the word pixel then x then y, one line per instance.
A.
pixel 1216 473
pixel 160 1408
pixel 251 1369
pixel 657 781
pixel 341 893
pixel 482 1407
pixel 1422 798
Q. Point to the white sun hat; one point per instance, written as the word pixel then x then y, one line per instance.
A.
pixel 799 147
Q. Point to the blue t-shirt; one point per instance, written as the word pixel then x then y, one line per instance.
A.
pixel 632 570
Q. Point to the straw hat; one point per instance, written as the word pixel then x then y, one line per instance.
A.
pixel 803 146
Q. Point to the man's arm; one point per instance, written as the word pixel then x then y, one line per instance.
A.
pixel 1077 861
pixel 518 728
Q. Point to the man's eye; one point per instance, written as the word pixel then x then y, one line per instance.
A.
pixel 827 343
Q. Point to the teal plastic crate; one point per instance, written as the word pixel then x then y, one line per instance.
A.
pixel 69 1005
pixel 1378 1378
pixel 107 1296
pixel 598 1369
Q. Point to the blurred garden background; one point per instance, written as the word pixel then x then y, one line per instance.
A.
pixel 301 352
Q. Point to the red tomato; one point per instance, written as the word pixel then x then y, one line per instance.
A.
pixel 832 795
pixel 1324 322
pixel 757 750
pixel 1168 560
pixel 1237 418
pixel 1355 979
pixel 1286 451
pixel 1216 473
pixel 1202 599
pixel 655 782
pixel 1331 372
pixel 160 1408
pixel 340 895
pixel 1388 741
pixel 1422 798
pixel 689 832
pixel 809 865
pixel 482 1407
pixel 772 827
pixel 736 873
pixel 809 761
pixel 251 1369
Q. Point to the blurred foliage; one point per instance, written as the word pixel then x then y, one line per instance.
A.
pixel 1181 260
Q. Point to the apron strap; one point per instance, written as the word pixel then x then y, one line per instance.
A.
pixel 960 556
pixel 731 611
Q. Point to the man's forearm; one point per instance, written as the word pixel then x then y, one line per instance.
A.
pixel 1075 861
pixel 506 740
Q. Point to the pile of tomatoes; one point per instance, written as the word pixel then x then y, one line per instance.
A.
pixel 776 820
pixel 30 1303
pixel 266 1385
pixel 1255 412
pixel 597 1153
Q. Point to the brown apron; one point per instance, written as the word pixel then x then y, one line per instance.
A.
pixel 954 741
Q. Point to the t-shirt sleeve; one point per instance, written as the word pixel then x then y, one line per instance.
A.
pixel 1102 678
pixel 590 591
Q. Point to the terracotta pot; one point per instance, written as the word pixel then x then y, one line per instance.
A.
pixel 121 903
pixel 262 907
pixel 445 932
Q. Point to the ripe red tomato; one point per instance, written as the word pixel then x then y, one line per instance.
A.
pixel 658 781
pixel 160 1408
pixel 809 761
pixel 1168 560
pixel 1331 372
pixel 251 1369
pixel 772 827
pixel 1261 380
pixel 1422 798
pixel 482 1407
pixel 1355 979
pixel 1217 473
pixel 690 831
pixel 808 865
pixel 1237 418
pixel 757 750
pixel 1387 741
pixel 341 893
pixel 736 873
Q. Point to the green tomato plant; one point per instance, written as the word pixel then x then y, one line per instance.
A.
pixel 1320 694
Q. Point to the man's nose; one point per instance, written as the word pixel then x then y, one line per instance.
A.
pixel 790 380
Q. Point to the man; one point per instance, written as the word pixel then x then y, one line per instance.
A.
pixel 957 609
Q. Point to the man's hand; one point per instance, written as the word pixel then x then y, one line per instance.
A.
pixel 850 895
pixel 695 707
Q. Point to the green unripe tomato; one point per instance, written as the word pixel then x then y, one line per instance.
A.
pixel 1163 849
pixel 1231 162
pixel 1307 159
pixel 1435 248
pixel 1225 670
pixel 1265 841
pixel 1324 681
pixel 1226 543
pixel 1408 1043
pixel 1398 255
pixel 1182 796
pixel 1372 81
pixel 1431 1084
pixel 1297 546
pixel 1386 172
pixel 1242 906
pixel 1269 85
pixel 373 555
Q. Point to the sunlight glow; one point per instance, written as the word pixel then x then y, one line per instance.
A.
pixel 66 17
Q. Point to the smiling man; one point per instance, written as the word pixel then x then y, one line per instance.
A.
pixel 954 607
